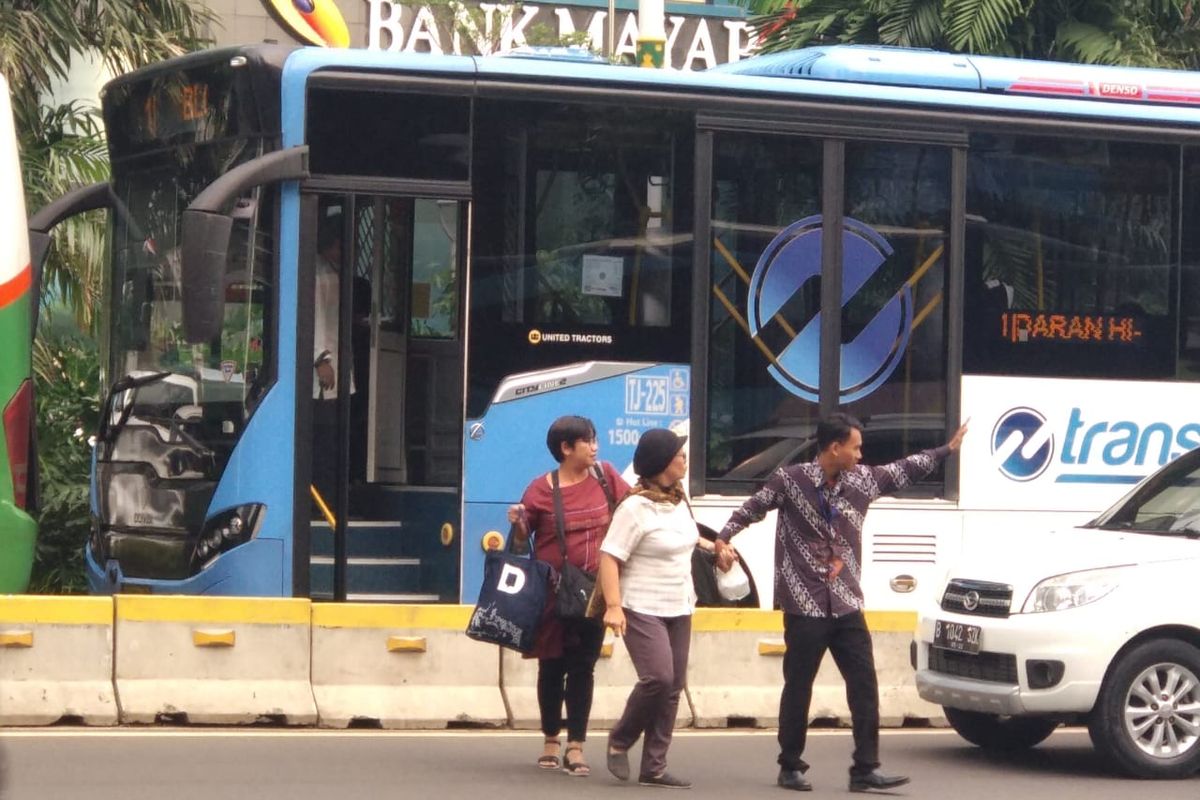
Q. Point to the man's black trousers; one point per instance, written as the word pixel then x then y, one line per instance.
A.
pixel 847 638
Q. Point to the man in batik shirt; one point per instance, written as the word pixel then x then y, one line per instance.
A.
pixel 818 573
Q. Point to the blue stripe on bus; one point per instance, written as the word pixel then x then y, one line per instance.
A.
pixel 1083 478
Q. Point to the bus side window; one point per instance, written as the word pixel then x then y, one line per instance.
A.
pixel 1069 257
pixel 1189 280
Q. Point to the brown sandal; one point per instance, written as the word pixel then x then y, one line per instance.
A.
pixel 546 760
pixel 576 769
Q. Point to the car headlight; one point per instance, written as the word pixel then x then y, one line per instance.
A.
pixel 1072 590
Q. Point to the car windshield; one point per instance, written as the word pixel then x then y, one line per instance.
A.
pixel 1166 503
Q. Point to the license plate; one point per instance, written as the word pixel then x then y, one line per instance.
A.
pixel 956 636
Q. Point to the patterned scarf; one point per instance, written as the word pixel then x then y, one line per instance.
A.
pixel 657 494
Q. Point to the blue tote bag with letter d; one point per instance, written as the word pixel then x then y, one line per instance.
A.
pixel 511 600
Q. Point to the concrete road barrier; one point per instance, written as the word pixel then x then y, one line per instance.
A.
pixel 216 660
pixel 241 660
pixel 402 667
pixel 892 634
pixel 56 660
pixel 736 671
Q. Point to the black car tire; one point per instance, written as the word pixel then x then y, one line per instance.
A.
pixel 1151 661
pixel 994 732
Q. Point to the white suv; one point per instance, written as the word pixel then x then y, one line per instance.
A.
pixel 1096 624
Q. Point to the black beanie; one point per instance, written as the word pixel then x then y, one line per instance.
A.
pixel 655 451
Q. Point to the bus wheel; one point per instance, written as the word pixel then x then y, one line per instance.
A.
pixel 993 732
pixel 1147 718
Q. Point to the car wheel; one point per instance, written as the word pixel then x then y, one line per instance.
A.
pixel 993 732
pixel 1147 718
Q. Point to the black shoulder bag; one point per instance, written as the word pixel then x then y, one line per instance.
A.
pixel 575 586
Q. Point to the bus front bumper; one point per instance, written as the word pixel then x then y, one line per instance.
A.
pixel 254 569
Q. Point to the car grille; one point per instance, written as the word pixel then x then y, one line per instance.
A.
pixel 977 597
pixel 985 666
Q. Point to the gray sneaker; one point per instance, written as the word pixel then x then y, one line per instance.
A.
pixel 664 781
pixel 618 765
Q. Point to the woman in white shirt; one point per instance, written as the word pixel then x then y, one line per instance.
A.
pixel 646 579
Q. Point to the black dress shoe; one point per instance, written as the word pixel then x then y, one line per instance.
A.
pixel 793 779
pixel 875 779
pixel 665 781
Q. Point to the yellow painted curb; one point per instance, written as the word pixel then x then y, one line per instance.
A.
pixel 756 620
pixel 383 615
pixel 269 611
pixel 455 617
pixel 892 621
pixel 50 610
pixel 737 619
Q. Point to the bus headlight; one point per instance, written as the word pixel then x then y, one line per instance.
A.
pixel 1072 590
pixel 226 531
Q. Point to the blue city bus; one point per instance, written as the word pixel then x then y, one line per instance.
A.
pixel 474 246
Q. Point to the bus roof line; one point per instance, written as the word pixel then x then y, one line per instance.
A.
pixel 715 83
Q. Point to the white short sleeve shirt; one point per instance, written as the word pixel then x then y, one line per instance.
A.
pixel 654 542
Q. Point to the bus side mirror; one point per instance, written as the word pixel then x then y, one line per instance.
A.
pixel 77 201
pixel 204 251
pixel 204 236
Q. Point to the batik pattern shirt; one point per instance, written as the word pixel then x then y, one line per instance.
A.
pixel 819 529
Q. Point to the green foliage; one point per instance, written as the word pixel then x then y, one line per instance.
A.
pixel 68 412
pixel 575 39
pixel 1153 33
pixel 542 35
pixel 60 145
pixel 909 23
pixel 61 148
pixel 979 26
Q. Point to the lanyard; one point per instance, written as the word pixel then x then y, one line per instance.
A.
pixel 826 507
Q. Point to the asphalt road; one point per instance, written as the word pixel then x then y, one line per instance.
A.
pixel 273 764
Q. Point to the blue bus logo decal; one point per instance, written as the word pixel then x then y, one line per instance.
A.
pixel 791 260
pixel 1022 444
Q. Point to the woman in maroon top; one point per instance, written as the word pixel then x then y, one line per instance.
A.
pixel 567 650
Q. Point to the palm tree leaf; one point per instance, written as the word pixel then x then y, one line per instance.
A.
pixel 1080 41
pixel 911 23
pixel 804 23
pixel 979 25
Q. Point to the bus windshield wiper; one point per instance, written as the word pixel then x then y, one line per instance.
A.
pixel 108 431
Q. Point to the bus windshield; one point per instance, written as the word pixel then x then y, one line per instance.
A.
pixel 176 409
pixel 145 325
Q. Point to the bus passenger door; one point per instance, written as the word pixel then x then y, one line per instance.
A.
pixel 400 452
